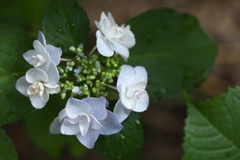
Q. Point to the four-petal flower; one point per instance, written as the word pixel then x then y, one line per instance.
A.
pixel 43 54
pixel 37 84
pixel 86 118
pixel 111 37
pixel 131 86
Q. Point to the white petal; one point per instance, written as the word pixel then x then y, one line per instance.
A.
pixel 68 128
pixel 126 76
pixel 97 24
pixel 89 139
pixel 121 112
pixel 22 85
pixel 34 75
pixel 39 102
pixel 41 38
pixel 110 19
pixel 115 33
pixel 52 73
pixel 84 124
pixel 120 49
pixel 98 107
pixel 41 50
pixel 103 46
pixel 138 86
pixel 141 74
pixel 128 38
pixel 74 120
pixel 28 55
pixel 52 89
pixel 128 102
pixel 110 125
pixel 62 114
pixel 142 104
pixel 95 124
pixel 104 24
pixel 74 107
pixel 55 126
pixel 54 52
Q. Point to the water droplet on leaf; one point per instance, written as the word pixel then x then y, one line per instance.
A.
pixel 59 30
pixel 131 127
pixel 122 136
pixel 119 156
pixel 163 90
pixel 138 122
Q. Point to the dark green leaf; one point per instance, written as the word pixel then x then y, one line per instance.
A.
pixel 176 52
pixel 7 150
pixel 13 105
pixel 212 128
pixel 32 10
pixel 65 24
pixel 37 126
pixel 24 14
pixel 124 145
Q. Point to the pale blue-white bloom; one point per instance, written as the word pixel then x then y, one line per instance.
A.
pixel 37 84
pixel 131 86
pixel 76 90
pixel 77 70
pixel 42 54
pixel 86 118
pixel 111 37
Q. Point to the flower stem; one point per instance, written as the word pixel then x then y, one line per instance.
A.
pixel 94 48
pixel 66 59
pixel 110 86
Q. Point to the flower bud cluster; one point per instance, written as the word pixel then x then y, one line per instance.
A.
pixel 89 73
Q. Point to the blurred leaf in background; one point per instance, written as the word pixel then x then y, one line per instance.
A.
pixel 24 14
pixel 176 52
pixel 14 105
pixel 7 150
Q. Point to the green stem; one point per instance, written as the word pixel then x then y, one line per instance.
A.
pixel 66 59
pixel 110 86
pixel 94 48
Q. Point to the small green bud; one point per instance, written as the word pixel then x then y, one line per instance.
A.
pixel 92 77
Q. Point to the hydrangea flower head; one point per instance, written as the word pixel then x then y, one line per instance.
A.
pixel 43 53
pixel 37 84
pixel 86 118
pixel 111 37
pixel 131 86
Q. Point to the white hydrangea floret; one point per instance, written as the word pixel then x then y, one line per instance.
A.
pixel 42 54
pixel 37 84
pixel 111 37
pixel 86 118
pixel 131 86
